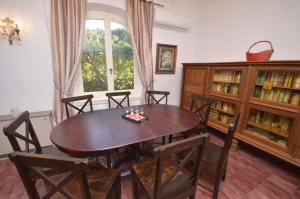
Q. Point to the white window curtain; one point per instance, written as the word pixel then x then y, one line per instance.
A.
pixel 140 25
pixel 67 33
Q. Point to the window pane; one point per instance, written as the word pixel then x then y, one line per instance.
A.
pixel 122 58
pixel 93 61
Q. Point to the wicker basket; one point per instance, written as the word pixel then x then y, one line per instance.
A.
pixel 260 56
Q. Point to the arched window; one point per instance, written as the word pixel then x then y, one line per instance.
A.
pixel 107 62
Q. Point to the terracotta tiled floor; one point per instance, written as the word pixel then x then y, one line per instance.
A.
pixel 251 175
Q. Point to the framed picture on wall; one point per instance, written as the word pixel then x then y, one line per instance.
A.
pixel 165 59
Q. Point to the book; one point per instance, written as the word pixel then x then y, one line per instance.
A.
pixel 280 96
pixel 238 77
pixel 291 80
pixel 295 99
pixel 286 97
pixel 271 94
pixel 276 94
pixel 296 82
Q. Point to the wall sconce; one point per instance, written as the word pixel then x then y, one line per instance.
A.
pixel 9 29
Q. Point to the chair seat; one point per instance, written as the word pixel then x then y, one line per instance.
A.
pixel 100 183
pixel 146 170
pixel 52 150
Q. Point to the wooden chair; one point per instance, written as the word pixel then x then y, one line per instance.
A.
pixel 75 180
pixel 152 95
pixel 111 96
pixel 69 102
pixel 29 138
pixel 201 106
pixel 162 94
pixel 214 163
pixel 160 178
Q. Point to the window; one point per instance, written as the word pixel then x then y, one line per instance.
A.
pixel 107 62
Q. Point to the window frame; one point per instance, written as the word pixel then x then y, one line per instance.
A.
pixel 100 95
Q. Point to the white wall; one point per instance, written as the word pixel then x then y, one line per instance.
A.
pixel 25 68
pixel 218 30
pixel 227 28
pixel 26 78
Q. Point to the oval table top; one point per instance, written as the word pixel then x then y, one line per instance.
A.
pixel 96 133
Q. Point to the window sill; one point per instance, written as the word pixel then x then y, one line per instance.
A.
pixel 101 100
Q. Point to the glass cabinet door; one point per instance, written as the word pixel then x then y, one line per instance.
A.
pixel 269 126
pixel 278 87
pixel 226 81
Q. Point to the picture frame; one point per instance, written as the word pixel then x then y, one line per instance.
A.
pixel 166 55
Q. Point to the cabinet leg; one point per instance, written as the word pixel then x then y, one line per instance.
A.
pixel 234 145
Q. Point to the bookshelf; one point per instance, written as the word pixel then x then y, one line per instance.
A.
pixel 267 94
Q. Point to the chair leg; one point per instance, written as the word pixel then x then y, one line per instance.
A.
pixel 118 194
pixel 192 196
pixel 224 172
pixel 216 189
pixel 164 140
pixel 170 138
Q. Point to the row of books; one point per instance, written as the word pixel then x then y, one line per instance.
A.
pixel 282 79
pixel 277 124
pixel 227 76
pixel 225 88
pixel 268 136
pixel 277 95
pixel 224 106
pixel 219 116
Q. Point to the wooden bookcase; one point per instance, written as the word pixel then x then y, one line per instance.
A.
pixel 267 94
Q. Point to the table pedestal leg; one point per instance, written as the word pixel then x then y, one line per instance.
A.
pixel 130 153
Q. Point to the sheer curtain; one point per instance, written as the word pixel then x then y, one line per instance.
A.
pixel 67 33
pixel 140 25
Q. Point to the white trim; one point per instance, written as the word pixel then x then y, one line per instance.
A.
pixel 107 8
pixel 104 101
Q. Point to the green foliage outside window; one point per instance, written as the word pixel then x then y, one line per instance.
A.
pixel 94 69
pixel 123 60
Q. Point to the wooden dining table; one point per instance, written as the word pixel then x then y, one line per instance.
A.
pixel 102 131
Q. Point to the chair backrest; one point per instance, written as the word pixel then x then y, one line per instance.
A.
pixel 69 102
pixel 111 96
pixel 30 136
pixel 190 146
pixel 162 94
pixel 201 106
pixel 33 167
pixel 228 141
